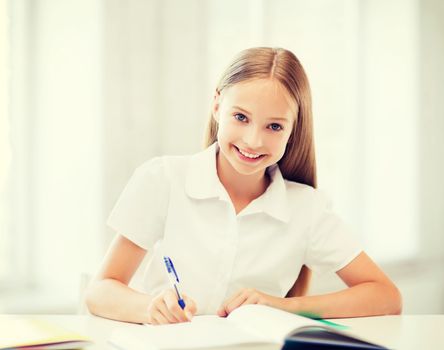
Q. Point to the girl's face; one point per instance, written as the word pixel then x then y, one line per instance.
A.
pixel 255 122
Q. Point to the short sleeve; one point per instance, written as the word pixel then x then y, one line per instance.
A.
pixel 331 245
pixel 140 211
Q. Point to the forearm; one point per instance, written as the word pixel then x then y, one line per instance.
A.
pixel 365 299
pixel 114 300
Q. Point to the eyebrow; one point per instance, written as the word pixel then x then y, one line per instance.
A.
pixel 275 118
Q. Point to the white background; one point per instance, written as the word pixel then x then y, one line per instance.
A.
pixel 94 88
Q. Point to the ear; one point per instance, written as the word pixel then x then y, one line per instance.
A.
pixel 215 105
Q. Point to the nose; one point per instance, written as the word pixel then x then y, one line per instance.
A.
pixel 253 137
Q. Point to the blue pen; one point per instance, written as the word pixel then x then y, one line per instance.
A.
pixel 174 279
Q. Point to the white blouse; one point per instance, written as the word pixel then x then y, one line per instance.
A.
pixel 176 206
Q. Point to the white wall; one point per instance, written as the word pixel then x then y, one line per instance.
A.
pixel 109 84
pixel 390 138
pixel 59 137
pixel 431 125
pixel 364 65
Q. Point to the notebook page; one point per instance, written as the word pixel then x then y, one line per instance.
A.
pixel 18 331
pixel 202 332
pixel 275 323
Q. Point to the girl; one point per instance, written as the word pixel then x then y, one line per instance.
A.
pixel 242 220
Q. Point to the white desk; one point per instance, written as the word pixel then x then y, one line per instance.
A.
pixel 419 332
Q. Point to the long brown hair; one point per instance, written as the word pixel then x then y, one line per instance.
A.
pixel 298 162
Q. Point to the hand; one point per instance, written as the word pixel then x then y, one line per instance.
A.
pixel 247 296
pixel 164 308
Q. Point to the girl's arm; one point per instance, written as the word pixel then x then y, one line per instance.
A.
pixel 109 295
pixel 370 293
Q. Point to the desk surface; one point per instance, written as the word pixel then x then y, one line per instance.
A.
pixel 395 332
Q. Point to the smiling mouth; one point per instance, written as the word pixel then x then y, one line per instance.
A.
pixel 249 155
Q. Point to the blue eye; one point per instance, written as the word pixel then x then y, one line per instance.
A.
pixel 240 117
pixel 275 127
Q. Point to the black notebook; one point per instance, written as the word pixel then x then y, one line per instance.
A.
pixel 322 339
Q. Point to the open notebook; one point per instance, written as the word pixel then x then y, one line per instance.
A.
pixel 256 325
pixel 35 334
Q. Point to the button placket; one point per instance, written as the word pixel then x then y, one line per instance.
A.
pixel 227 264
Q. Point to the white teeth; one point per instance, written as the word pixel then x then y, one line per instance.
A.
pixel 249 155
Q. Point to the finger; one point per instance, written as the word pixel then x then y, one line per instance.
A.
pixel 251 299
pixel 160 306
pixel 188 314
pixel 190 304
pixel 164 310
pixel 223 308
pixel 236 302
pixel 173 307
pixel 159 318
pixel 222 313
pixel 190 310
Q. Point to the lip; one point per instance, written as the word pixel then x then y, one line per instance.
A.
pixel 246 159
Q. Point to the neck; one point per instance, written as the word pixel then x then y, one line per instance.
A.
pixel 247 187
